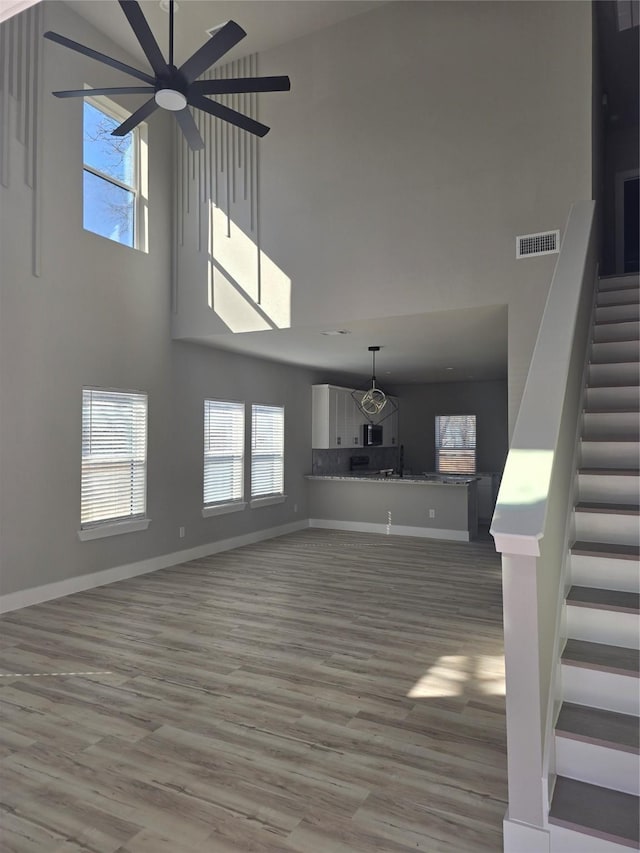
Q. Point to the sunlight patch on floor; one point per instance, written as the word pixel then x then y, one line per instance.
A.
pixel 455 675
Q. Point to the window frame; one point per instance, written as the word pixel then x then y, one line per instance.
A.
pixel 114 525
pixel 226 505
pixel 140 187
pixel 266 499
pixel 462 450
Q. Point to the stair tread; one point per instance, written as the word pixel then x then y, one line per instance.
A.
pixel 618 320
pixel 607 472
pixel 606 549
pixel 620 341
pixel 598 811
pixel 610 508
pixel 602 657
pixel 622 304
pixel 635 410
pixel 594 725
pixel 604 599
pixel 612 438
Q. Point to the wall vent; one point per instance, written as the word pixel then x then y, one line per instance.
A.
pixel 543 243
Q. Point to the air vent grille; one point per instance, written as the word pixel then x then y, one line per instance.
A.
pixel 543 243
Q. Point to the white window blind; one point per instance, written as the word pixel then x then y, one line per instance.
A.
pixel 114 456
pixel 267 450
pixel 223 451
pixel 456 444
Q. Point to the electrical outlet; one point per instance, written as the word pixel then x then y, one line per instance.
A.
pixel 181 532
pixel 432 513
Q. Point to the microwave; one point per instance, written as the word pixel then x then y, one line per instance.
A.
pixel 371 435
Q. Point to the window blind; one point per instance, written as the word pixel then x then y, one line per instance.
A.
pixel 223 451
pixel 267 450
pixel 456 444
pixel 114 456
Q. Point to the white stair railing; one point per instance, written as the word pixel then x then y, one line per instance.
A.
pixel 531 526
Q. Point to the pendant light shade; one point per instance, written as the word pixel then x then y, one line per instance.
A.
pixel 374 400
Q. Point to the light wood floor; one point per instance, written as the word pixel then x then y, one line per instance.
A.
pixel 323 692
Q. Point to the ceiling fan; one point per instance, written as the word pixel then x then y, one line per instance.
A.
pixel 176 89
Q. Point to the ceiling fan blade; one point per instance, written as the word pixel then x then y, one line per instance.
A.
pixel 143 33
pixel 244 84
pixel 135 118
pixel 222 41
pixel 227 114
pixel 118 90
pixel 189 128
pixel 100 57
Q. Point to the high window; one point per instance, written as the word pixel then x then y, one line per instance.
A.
pixel 114 456
pixel 115 175
pixel 223 452
pixel 267 451
pixel 456 444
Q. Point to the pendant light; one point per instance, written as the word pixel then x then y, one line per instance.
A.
pixel 374 400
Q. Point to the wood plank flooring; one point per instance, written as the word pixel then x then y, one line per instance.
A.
pixel 323 692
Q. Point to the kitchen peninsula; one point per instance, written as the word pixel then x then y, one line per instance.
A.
pixel 428 505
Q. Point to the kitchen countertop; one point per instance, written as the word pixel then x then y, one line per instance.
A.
pixel 421 479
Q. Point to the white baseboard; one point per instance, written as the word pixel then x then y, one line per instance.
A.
pixel 524 838
pixel 58 589
pixel 390 529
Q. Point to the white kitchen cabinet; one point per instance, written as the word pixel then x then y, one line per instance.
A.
pixel 389 423
pixel 390 426
pixel 336 420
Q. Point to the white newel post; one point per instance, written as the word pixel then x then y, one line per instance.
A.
pixel 524 830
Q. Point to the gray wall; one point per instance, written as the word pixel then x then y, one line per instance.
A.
pixel 417 141
pixel 99 314
pixel 419 405
pixel 392 503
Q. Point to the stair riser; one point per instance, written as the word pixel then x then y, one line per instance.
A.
pixel 603 626
pixel 598 765
pixel 616 374
pixel 563 840
pixel 612 399
pixel 618 282
pixel 608 488
pixel 614 351
pixel 606 690
pixel 609 454
pixel 627 331
pixel 605 573
pixel 618 297
pixel 609 313
pixel 607 527
pixel 615 424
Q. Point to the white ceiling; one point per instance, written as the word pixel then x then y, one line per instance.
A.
pixel 444 346
pixel 268 23
pixel 415 348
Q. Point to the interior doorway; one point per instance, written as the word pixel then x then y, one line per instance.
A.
pixel 627 200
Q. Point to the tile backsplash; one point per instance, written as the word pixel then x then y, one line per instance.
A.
pixel 331 462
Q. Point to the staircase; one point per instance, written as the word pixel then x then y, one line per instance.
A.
pixel 595 805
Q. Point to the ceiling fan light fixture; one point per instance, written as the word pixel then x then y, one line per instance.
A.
pixel 174 88
pixel 170 99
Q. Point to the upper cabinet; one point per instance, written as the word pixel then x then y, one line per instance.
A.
pixel 337 421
